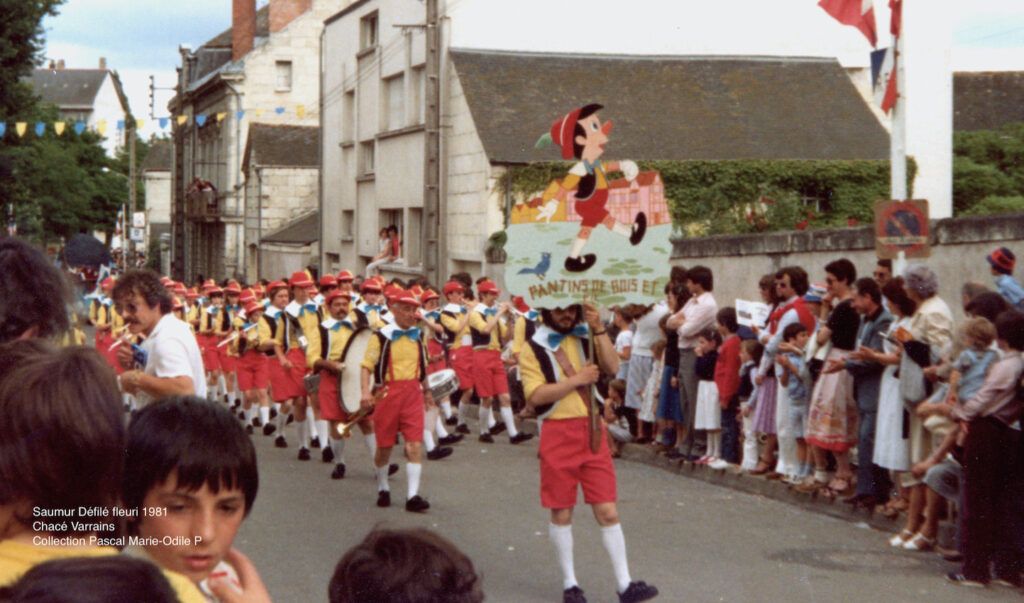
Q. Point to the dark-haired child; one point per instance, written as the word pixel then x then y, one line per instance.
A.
pixel 727 380
pixel 618 434
pixel 190 478
pixel 796 379
pixel 709 415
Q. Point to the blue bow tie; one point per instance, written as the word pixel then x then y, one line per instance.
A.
pixel 337 325
pixel 433 314
pixel 307 308
pixel 532 315
pixel 371 307
pixel 412 333
pixel 491 312
pixel 234 308
pixel 213 310
pixel 555 339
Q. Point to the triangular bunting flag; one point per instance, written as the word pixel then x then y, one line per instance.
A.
pixel 79 127
pixel 201 120
pixel 182 119
pixel 20 127
pixel 239 114
pixel 300 111
pixel 120 124
pixel 279 110
pixel 259 113
pixel 58 127
pixel 140 123
pixel 40 128
pixel 3 129
pixel 164 121
pixel 221 116
pixel 101 127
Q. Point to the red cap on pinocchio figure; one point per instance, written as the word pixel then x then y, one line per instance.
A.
pixel 1002 260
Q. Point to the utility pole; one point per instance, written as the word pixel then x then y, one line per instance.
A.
pixel 132 191
pixel 432 158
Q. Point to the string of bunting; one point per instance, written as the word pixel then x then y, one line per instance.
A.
pixel 59 127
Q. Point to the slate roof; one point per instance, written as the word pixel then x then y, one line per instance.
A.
pixel 216 52
pixel 987 100
pixel 671 107
pixel 282 146
pixel 68 88
pixel 300 231
pixel 160 156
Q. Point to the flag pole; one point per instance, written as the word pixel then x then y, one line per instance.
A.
pixel 898 141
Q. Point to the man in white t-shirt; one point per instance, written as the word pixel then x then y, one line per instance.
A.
pixel 168 361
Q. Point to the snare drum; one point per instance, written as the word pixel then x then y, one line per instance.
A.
pixel 442 384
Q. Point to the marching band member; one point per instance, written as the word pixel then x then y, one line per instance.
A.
pixel 253 364
pixel 328 283
pixel 558 372
pixel 208 326
pixel 396 358
pixel 226 352
pixel 301 318
pixel 371 311
pixel 192 309
pixel 277 338
pixel 455 320
pixel 434 335
pixel 345 279
pixel 101 316
pixel 488 331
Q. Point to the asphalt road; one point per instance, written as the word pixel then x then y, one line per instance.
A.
pixel 695 541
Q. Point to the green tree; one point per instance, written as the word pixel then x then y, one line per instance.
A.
pixel 21 40
pixel 988 169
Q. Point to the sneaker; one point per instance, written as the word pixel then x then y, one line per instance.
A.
pixel 520 437
pixel 638 591
pixel 448 440
pixel 417 504
pixel 315 442
pixel 339 471
pixel 383 498
pixel 327 455
pixel 718 464
pixel 962 580
pixel 486 438
pixel 441 452
pixel 463 429
pixel 573 595
pixel 280 442
pixel 303 454
pixel 498 428
pixel 269 428
pixel 392 469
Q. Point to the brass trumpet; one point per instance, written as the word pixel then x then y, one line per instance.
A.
pixel 345 429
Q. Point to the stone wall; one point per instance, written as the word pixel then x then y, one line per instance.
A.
pixel 959 247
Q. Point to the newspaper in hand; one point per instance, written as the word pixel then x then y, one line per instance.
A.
pixel 751 313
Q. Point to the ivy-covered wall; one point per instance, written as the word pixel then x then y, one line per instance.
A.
pixel 739 196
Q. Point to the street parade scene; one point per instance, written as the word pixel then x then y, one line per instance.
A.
pixel 378 302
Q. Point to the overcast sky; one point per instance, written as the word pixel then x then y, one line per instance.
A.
pixel 141 37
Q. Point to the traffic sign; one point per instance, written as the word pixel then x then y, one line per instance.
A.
pixel 139 219
pixel 902 226
pixel 139 235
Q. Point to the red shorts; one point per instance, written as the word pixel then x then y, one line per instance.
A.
pixel 592 211
pixel 489 376
pixel 327 398
pixel 103 341
pixel 228 363
pixel 286 384
pixel 434 348
pixel 253 371
pixel 401 410
pixel 211 355
pixel 566 463
pixel 462 364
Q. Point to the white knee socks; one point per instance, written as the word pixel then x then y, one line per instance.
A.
pixel 484 415
pixel 414 471
pixel 323 430
pixel 510 422
pixel 446 408
pixel 428 440
pixel 577 246
pixel 615 544
pixel 439 428
pixel 382 479
pixel 561 537
pixel 338 448
pixel 264 415
pixel 303 427
pixel 715 444
pixel 371 444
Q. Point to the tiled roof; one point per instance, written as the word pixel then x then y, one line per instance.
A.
pixel 282 146
pixel 987 100
pixel 68 88
pixel 301 231
pixel 159 157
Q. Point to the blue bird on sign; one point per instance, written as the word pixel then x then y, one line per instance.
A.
pixel 541 269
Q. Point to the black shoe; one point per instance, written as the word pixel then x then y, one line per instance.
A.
pixel 280 442
pixel 392 469
pixel 520 437
pixel 303 454
pixel 441 452
pixel 638 591
pixel 291 419
pixel 639 229
pixel 452 420
pixel 241 415
pixel 315 442
pixel 383 498
pixel 269 429
pixel 256 422
pixel 498 428
pixel 248 429
pixel 486 438
pixel 237 404
pixel 417 504
pixel 273 413
pixel 463 429
pixel 573 595
pixel 339 471
pixel 327 455
pixel 448 440
pixel 580 265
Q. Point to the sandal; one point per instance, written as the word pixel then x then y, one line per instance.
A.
pixel 839 485
pixel 761 469
pixel 919 542
pixel 900 539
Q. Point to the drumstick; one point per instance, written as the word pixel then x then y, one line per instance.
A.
pixel 228 340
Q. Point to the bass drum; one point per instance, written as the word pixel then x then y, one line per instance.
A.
pixel 350 388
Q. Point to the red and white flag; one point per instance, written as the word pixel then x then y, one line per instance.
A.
pixel 858 13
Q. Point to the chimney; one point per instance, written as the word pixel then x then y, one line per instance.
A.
pixel 103 63
pixel 243 27
pixel 283 12
pixel 53 65
pixel 60 64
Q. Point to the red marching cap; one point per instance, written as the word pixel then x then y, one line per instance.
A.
pixel 253 306
pixel 452 286
pixel 345 275
pixel 180 289
pixel 428 295
pixel 488 287
pixel 300 279
pixel 233 289
pixel 520 304
pixel 276 285
pixel 333 295
pixel 404 297
pixel 247 296
pixel 328 280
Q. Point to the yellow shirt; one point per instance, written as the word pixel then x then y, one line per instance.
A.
pixel 478 322
pixel 572 180
pixel 263 331
pixel 462 337
pixel 405 357
pixel 338 334
pixel 16 558
pixel 519 333
pixel 572 405
pixel 100 313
